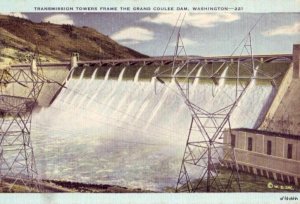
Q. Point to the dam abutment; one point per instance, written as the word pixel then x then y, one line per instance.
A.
pixel 296 61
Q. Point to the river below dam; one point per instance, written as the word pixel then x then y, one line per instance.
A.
pixel 126 132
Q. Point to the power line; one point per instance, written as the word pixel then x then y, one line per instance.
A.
pixel 202 148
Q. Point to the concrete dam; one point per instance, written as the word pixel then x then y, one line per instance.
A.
pixel 113 123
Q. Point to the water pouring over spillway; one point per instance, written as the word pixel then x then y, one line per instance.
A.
pixel 113 129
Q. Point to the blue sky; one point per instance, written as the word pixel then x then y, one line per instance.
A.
pixel 205 34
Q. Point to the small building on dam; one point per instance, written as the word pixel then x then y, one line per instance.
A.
pixel 269 154
pixel 273 150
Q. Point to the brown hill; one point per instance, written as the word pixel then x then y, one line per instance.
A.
pixel 20 37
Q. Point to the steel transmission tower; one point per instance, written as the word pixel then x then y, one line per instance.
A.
pixel 205 151
pixel 20 89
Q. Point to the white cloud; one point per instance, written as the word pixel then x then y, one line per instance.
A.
pixel 133 35
pixel 186 42
pixel 293 29
pixel 195 20
pixel 59 19
pixel 15 14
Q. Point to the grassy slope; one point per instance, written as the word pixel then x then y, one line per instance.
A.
pixel 19 37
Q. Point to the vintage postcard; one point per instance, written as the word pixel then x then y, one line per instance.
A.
pixel 149 102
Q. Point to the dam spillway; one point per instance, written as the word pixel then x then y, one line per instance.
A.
pixel 111 126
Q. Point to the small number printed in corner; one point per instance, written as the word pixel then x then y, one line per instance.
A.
pixel 289 198
pixel 280 187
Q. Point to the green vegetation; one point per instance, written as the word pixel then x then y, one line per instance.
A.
pixel 9 188
pixel 19 37
pixel 47 186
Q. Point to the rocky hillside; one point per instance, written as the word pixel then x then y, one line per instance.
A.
pixel 19 38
